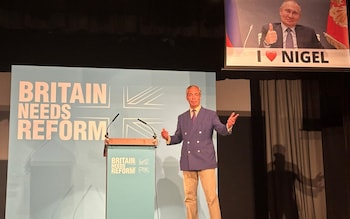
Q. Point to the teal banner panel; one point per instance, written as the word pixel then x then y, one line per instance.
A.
pixel 58 120
pixel 130 182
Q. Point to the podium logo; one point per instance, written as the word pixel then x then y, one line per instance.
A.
pixel 123 165
pixel 144 162
pixel 144 170
pixel 143 166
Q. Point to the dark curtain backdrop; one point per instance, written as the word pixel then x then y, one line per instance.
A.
pixel 295 171
pixel 334 111
pixel 346 119
pixel 325 109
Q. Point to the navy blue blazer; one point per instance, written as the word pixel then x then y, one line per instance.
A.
pixel 306 37
pixel 198 152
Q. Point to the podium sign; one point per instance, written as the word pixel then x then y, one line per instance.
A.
pixel 130 178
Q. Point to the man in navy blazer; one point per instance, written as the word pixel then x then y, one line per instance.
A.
pixel 274 35
pixel 198 158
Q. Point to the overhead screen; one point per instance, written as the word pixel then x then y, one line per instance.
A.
pixel 59 116
pixel 244 21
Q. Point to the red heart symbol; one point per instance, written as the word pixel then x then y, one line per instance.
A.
pixel 271 55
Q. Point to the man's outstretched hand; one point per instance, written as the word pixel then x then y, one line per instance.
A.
pixel 165 134
pixel 232 120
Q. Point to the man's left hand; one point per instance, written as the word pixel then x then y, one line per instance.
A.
pixel 232 120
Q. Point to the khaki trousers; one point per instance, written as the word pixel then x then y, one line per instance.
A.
pixel 208 181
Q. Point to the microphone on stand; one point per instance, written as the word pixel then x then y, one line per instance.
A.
pixel 246 38
pixel 106 136
pixel 154 133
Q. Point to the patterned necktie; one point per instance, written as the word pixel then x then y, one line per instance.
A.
pixel 289 39
pixel 193 115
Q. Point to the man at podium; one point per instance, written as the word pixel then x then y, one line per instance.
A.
pixel 198 161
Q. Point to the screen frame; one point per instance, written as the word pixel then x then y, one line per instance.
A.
pixel 234 13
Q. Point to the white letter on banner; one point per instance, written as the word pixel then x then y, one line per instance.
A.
pixel 25 91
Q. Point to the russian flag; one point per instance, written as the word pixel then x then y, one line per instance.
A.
pixel 233 34
pixel 337 25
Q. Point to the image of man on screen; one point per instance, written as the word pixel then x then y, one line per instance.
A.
pixel 288 33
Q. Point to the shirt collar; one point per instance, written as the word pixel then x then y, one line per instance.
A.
pixel 284 28
pixel 197 109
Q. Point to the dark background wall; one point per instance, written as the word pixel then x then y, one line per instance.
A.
pixel 236 171
pixel 135 34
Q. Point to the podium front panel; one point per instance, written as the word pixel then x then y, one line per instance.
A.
pixel 130 182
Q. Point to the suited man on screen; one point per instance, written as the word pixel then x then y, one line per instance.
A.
pixel 195 129
pixel 288 33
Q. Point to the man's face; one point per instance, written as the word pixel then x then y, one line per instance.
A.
pixel 290 13
pixel 193 97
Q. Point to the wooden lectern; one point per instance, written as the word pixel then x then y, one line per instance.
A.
pixel 130 177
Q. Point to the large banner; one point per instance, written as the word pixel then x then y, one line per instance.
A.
pixel 255 36
pixel 58 119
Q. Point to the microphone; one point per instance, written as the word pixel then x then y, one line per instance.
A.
pixel 106 135
pixel 246 38
pixel 154 133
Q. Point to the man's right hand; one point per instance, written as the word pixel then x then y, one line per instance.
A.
pixel 165 134
pixel 271 35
